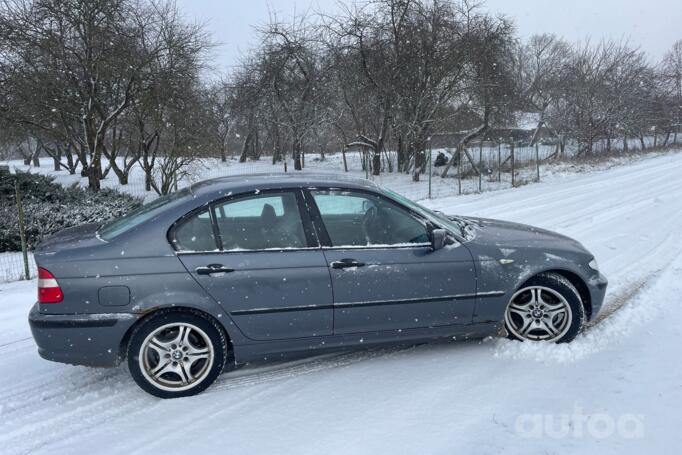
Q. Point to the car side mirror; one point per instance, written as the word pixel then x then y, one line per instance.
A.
pixel 438 238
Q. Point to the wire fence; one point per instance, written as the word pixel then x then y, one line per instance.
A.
pixel 15 265
pixel 481 167
pixel 12 266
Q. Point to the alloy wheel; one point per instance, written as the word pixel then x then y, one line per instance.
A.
pixel 538 313
pixel 176 357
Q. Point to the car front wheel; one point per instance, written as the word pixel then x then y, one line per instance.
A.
pixel 175 354
pixel 547 308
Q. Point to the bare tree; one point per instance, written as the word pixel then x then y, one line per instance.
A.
pixel 541 66
pixel 78 65
pixel 218 99
pixel 491 86
pixel 292 64
pixel 671 72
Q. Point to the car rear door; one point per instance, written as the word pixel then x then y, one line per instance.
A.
pixel 385 275
pixel 257 256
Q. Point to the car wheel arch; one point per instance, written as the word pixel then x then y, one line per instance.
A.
pixel 123 347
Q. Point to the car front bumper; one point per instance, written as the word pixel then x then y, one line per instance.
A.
pixel 597 286
pixel 80 339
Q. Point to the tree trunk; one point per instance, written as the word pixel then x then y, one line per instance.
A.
pixel 147 180
pixel 56 157
pixel 69 161
pixel 625 143
pixel 83 158
pixel 297 154
pixel 376 163
pixel 256 150
pixel 94 178
pixel 95 170
pixel 120 173
pixel 562 146
pixel 401 155
pixel 343 155
pixel 419 163
pixel 245 148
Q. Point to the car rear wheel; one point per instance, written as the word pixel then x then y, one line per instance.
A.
pixel 547 308
pixel 176 354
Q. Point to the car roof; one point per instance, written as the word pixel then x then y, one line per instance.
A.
pixel 296 179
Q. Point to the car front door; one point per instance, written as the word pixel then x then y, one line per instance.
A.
pixel 385 274
pixel 257 257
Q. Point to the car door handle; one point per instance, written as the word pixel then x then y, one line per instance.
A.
pixel 346 263
pixel 213 268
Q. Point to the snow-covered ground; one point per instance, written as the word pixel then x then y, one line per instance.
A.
pixel 616 389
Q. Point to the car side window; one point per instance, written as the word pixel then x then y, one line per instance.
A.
pixel 362 219
pixel 261 221
pixel 195 234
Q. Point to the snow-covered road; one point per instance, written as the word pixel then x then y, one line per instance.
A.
pixel 616 389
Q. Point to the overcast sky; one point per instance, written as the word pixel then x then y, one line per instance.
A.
pixel 652 24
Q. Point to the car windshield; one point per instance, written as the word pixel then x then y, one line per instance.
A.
pixel 455 224
pixel 140 215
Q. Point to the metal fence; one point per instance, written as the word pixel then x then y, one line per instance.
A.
pixel 12 266
pixel 480 168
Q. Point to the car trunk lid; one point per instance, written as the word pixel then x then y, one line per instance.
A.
pixel 84 236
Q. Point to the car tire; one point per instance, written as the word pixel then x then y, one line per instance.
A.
pixel 546 308
pixel 177 353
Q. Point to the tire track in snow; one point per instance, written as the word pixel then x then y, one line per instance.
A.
pixel 83 397
pixel 308 366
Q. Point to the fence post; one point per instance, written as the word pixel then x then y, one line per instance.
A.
pixel 537 161
pixel 511 151
pixel 459 170
pixel 430 167
pixel 22 230
pixel 499 162
pixel 480 163
pixel 343 154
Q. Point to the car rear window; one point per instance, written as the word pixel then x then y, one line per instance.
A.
pixel 138 216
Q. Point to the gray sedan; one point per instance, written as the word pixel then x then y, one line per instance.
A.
pixel 235 270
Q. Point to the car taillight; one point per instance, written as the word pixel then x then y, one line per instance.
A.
pixel 48 288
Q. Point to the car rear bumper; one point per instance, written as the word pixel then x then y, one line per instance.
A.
pixel 597 286
pixel 80 339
